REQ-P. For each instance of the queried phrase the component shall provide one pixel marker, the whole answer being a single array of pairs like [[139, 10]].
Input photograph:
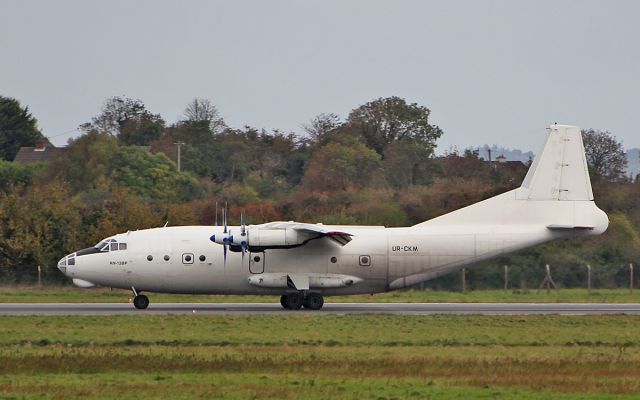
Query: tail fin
[[556, 192], [559, 171]]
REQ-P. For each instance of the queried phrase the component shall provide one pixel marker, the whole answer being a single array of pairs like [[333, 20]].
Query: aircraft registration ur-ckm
[[303, 262]]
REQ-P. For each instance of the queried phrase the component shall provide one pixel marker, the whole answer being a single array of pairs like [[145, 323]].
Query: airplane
[[304, 262]]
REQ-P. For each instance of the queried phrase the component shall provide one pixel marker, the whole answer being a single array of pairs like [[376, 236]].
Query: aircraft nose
[[62, 265], [66, 262]]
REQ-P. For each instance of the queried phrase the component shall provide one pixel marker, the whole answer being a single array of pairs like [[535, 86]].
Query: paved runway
[[329, 308]]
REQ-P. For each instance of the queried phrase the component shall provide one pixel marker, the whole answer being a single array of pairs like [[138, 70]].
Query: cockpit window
[[110, 245]]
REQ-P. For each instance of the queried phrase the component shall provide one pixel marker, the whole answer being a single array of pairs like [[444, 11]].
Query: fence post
[[588, 279], [548, 281], [630, 278], [464, 280], [506, 277], [39, 276]]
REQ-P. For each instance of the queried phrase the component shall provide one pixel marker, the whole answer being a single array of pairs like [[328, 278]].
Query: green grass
[[70, 294], [320, 357]]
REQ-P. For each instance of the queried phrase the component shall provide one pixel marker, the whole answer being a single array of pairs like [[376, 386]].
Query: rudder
[[559, 171]]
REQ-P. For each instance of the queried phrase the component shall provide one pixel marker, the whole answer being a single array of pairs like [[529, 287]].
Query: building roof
[[29, 155]]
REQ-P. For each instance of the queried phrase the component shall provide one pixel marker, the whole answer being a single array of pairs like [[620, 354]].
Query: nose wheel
[[295, 301], [140, 301]]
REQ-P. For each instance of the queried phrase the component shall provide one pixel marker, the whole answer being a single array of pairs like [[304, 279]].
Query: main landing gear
[[140, 301], [295, 301]]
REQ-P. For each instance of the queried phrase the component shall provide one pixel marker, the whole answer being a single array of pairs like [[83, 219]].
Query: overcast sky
[[490, 71]]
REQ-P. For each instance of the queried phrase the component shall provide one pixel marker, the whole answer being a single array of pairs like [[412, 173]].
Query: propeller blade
[[224, 216], [224, 246]]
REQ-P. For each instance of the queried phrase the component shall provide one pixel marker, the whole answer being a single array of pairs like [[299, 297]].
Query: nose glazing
[[62, 265], [66, 262]]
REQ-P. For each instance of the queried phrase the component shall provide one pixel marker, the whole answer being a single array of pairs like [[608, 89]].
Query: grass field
[[71, 294], [320, 357]]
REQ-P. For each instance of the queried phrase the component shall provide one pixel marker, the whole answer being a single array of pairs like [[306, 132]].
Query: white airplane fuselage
[[291, 259], [183, 260]]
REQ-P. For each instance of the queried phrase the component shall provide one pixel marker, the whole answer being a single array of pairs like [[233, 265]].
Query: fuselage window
[[114, 246], [166, 258], [365, 261], [202, 258], [149, 257], [122, 246]]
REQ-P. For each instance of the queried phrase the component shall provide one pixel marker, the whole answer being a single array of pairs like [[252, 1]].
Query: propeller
[[226, 238], [243, 234]]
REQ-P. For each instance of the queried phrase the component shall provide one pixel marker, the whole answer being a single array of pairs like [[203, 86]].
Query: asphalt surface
[[329, 308]]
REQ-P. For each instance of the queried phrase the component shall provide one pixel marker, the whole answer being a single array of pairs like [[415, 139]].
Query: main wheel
[[293, 301], [283, 301], [141, 302], [314, 301]]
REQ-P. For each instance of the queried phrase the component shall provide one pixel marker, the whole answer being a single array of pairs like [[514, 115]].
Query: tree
[[86, 162], [341, 165], [129, 120], [96, 164], [605, 154], [14, 173], [38, 224], [401, 162], [385, 120], [17, 128], [321, 126], [151, 176], [200, 110]]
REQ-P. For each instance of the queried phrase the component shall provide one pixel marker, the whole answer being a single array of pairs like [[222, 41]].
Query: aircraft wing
[[340, 237]]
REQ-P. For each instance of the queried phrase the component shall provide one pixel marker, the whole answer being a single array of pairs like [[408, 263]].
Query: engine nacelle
[[275, 235], [273, 238]]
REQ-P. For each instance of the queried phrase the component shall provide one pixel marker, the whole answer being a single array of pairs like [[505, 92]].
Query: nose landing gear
[[295, 301], [140, 301]]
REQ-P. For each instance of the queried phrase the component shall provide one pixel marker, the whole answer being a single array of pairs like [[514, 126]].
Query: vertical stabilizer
[[559, 171]]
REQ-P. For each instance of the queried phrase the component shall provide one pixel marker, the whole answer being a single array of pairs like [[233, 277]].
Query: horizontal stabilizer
[[569, 227]]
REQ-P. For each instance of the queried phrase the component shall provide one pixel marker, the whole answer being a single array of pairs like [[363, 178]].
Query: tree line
[[375, 167]]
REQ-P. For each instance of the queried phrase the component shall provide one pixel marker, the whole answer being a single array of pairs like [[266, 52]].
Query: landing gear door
[[256, 263]]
